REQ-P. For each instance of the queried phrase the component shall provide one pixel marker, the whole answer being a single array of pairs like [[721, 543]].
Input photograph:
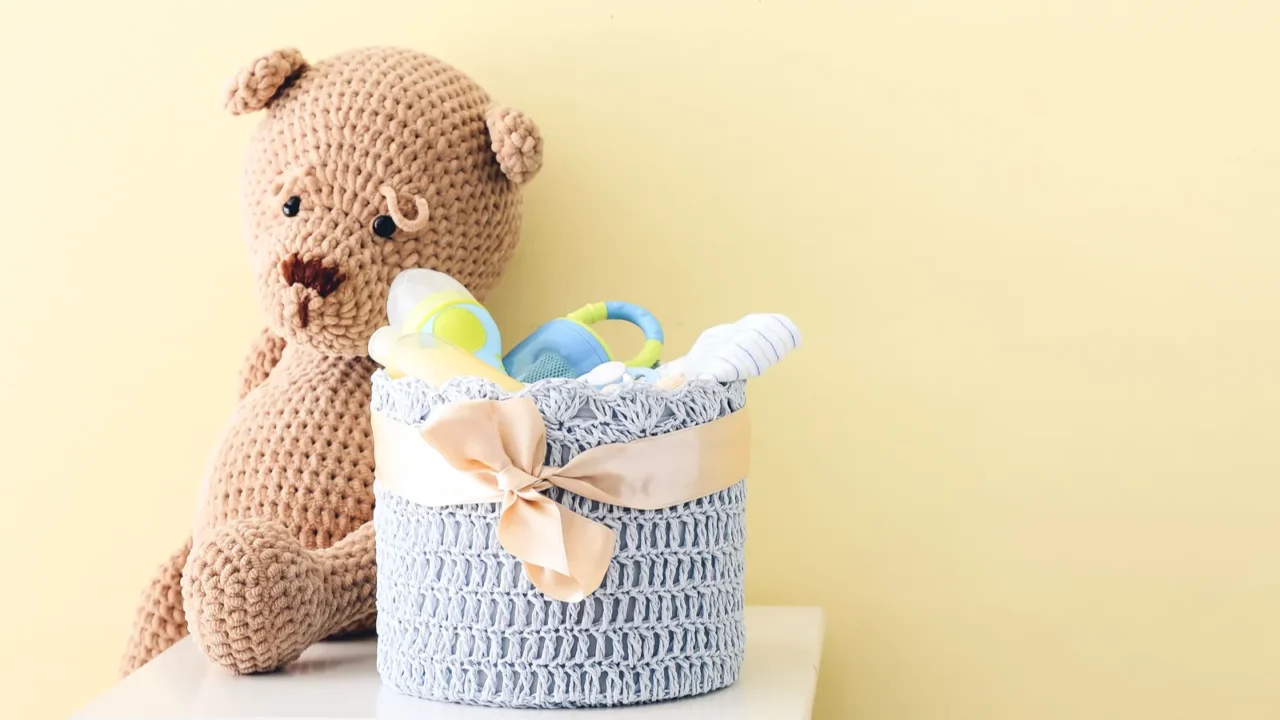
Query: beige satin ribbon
[[484, 451]]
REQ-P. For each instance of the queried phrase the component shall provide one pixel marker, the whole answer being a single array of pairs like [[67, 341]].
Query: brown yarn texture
[[282, 554]]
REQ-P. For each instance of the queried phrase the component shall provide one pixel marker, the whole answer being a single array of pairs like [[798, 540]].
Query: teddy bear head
[[366, 164]]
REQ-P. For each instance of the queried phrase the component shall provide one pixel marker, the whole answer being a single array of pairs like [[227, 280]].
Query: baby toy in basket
[[423, 301], [431, 302], [568, 347], [552, 545]]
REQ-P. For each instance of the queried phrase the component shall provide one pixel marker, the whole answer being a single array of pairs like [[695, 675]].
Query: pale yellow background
[[1028, 459]]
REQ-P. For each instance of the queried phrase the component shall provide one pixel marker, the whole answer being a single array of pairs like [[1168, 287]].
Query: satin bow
[[484, 451]]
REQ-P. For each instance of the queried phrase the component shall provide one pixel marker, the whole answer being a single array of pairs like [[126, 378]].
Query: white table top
[[339, 680]]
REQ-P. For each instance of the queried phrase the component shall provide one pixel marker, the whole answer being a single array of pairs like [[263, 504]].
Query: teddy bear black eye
[[384, 226], [291, 206]]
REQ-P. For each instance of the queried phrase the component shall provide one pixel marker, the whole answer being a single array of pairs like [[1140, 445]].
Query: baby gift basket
[[571, 542], [459, 620]]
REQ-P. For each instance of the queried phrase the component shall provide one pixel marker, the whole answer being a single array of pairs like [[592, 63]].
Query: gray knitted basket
[[458, 620]]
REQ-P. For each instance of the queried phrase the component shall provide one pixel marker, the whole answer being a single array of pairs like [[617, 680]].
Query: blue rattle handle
[[634, 314], [637, 316]]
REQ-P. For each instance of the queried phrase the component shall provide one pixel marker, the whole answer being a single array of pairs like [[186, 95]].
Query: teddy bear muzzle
[[312, 274]]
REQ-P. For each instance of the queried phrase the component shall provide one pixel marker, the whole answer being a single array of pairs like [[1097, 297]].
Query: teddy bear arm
[[256, 598], [263, 355], [159, 621], [351, 571]]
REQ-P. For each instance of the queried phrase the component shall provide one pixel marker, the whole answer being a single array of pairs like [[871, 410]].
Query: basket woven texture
[[458, 621]]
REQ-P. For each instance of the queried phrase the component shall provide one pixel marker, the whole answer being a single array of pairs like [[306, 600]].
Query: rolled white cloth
[[740, 350]]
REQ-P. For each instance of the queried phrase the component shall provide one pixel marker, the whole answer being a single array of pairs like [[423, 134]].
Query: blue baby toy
[[567, 347]]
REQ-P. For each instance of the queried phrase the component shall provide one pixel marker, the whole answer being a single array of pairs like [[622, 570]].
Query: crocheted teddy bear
[[367, 163]]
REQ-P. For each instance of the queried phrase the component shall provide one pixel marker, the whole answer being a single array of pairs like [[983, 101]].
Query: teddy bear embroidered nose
[[312, 274]]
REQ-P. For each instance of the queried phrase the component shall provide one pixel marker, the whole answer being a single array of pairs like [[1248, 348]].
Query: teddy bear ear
[[515, 141], [262, 80]]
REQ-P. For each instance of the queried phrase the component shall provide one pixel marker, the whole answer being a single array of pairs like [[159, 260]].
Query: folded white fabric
[[738, 351]]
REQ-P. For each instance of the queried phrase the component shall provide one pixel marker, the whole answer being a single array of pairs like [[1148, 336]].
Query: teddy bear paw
[[254, 597]]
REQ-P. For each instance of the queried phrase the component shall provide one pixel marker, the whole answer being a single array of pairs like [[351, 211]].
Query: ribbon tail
[[564, 554]]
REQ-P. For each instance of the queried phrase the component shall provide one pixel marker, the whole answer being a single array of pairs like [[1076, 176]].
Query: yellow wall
[[1028, 458]]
